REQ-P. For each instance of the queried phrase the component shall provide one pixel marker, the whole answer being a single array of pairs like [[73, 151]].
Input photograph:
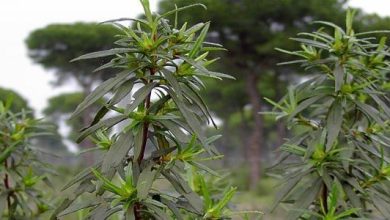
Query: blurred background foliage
[[249, 30]]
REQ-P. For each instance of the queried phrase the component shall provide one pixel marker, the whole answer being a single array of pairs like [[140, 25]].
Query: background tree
[[59, 109], [250, 30], [18, 102], [55, 45]]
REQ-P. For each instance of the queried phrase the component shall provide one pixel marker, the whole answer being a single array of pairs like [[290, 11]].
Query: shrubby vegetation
[[337, 164], [21, 171], [157, 136], [147, 117]]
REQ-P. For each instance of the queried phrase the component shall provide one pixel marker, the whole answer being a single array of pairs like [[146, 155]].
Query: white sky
[[19, 17]]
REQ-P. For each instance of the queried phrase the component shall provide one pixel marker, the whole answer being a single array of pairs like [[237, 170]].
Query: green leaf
[[83, 175], [85, 203], [197, 99], [333, 123], [194, 29], [105, 53], [182, 188], [148, 13], [205, 168], [8, 151], [228, 195], [198, 43], [176, 130], [84, 186], [145, 180], [192, 121], [157, 212], [381, 103], [287, 188], [330, 24], [100, 91], [3, 202], [107, 123], [120, 94], [173, 82], [173, 207], [380, 204], [373, 32], [352, 196], [138, 141], [117, 152], [203, 70], [310, 193], [188, 116], [140, 96], [370, 112], [311, 43], [339, 76], [347, 213], [304, 105], [349, 21], [181, 9], [205, 193]]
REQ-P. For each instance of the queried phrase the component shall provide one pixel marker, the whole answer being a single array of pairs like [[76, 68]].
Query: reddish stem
[[7, 185], [137, 211], [137, 206]]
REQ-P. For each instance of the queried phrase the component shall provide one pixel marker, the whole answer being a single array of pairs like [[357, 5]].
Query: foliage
[[18, 102], [20, 170], [160, 135], [61, 106], [249, 30], [342, 114], [53, 46], [63, 103]]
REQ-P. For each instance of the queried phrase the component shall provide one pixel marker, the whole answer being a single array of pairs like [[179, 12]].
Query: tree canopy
[[18, 102], [55, 45]]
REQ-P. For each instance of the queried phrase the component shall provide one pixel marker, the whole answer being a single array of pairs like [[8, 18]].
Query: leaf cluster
[[341, 115], [21, 171]]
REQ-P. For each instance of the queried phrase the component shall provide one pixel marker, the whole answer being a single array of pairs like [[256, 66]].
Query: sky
[[19, 17]]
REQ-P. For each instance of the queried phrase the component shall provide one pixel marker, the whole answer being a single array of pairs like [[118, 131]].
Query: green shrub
[[160, 139], [338, 166], [22, 174]]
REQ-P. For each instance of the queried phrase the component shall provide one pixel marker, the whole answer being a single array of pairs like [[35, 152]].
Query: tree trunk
[[255, 142]]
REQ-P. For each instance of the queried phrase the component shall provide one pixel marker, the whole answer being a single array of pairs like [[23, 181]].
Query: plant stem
[[137, 206], [7, 186], [146, 124], [6, 177], [137, 211]]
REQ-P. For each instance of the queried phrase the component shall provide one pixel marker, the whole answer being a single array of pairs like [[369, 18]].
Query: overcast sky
[[19, 17]]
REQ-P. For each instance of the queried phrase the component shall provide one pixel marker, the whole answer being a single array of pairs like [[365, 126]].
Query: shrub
[[21, 171], [160, 138], [339, 165]]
